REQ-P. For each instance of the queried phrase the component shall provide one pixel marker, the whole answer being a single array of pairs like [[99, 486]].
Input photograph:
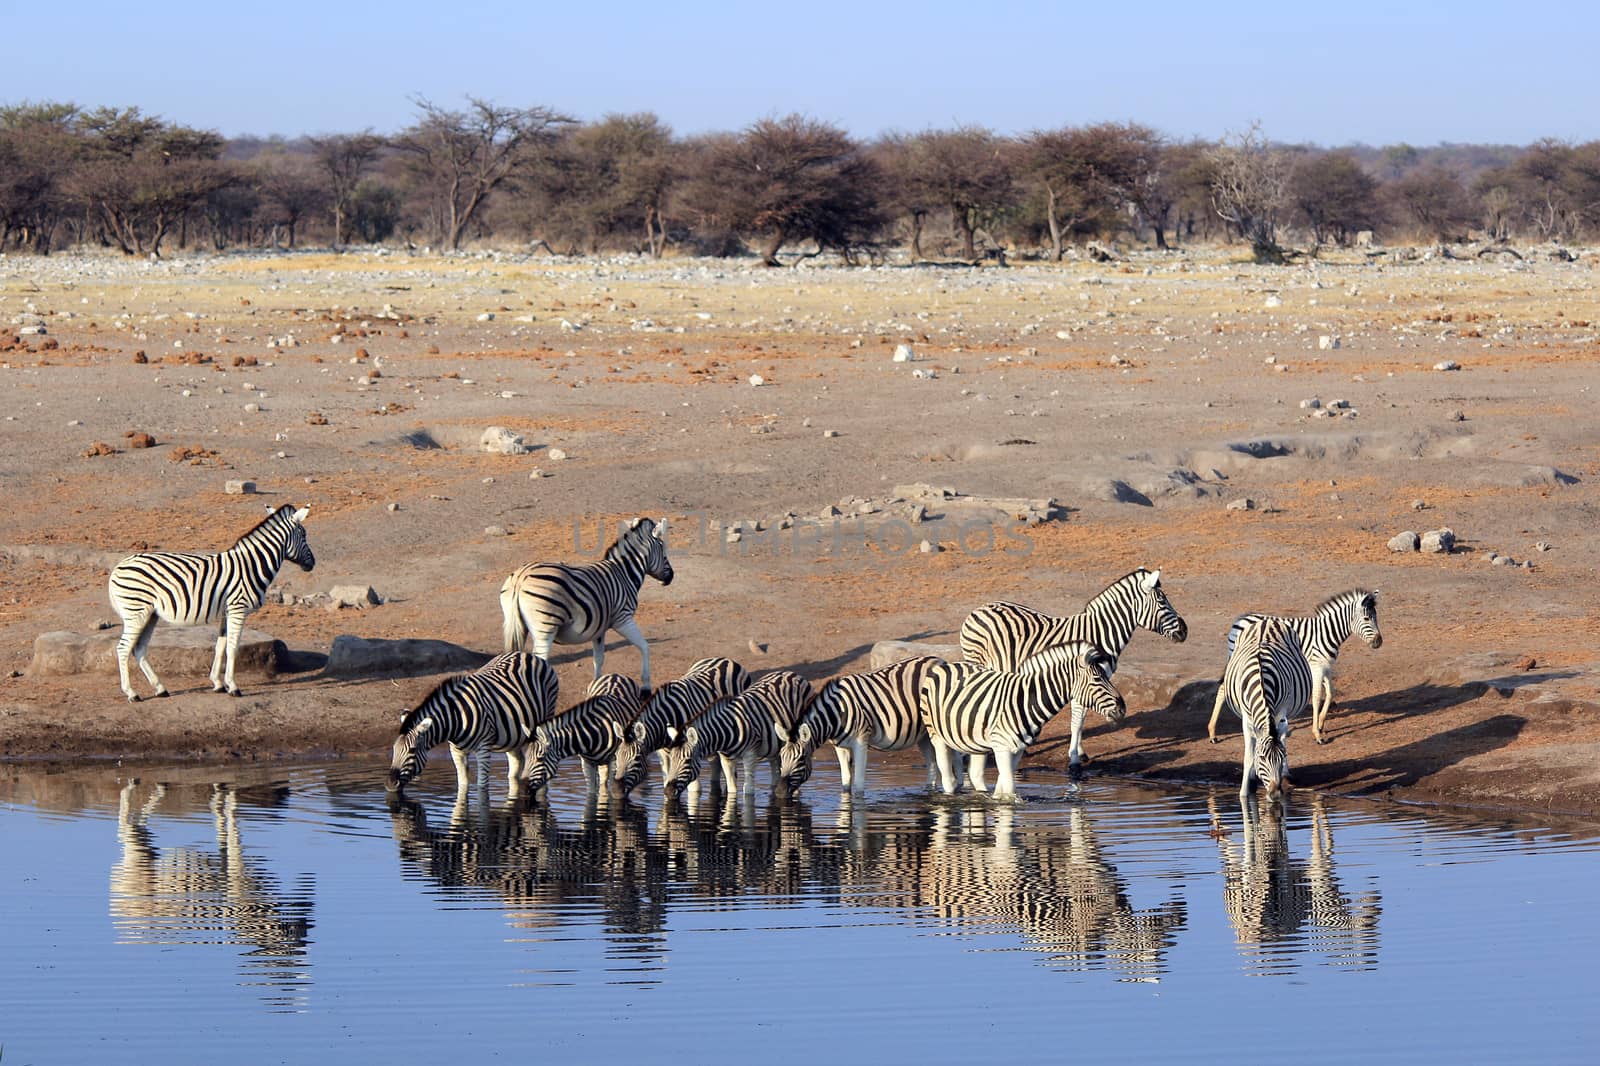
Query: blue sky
[[1422, 72]]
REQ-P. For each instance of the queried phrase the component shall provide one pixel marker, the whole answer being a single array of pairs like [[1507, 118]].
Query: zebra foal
[[738, 731], [671, 706], [858, 712], [1267, 680], [497, 707], [1321, 634], [978, 711], [549, 603], [190, 589], [592, 729]]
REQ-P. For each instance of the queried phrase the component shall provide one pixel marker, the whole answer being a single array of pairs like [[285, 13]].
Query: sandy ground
[[1143, 397]]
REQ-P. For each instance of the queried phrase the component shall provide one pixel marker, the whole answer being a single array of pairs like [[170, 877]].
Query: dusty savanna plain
[[1143, 397]]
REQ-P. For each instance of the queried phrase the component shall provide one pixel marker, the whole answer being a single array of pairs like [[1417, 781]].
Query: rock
[[239, 488], [393, 507], [756, 381], [1274, 301], [316, 418], [555, 455], [353, 596], [929, 547], [136, 439], [184, 651], [99, 447], [486, 316], [252, 408], [830, 433], [889, 652], [353, 656], [1447, 364], [1542, 546], [1404, 542], [140, 357], [1419, 505], [495, 531], [1327, 343], [1243, 503], [903, 353], [1438, 541], [1527, 662], [1310, 405], [1503, 560], [501, 441]]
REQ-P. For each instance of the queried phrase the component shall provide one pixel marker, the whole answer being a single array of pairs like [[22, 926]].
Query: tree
[[38, 149], [1432, 199], [610, 180], [1335, 196], [965, 170], [1248, 179], [462, 157], [1086, 173], [292, 190], [344, 158], [789, 179]]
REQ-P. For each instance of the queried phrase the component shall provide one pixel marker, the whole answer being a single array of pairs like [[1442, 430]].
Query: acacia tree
[[789, 179], [609, 179], [344, 159], [965, 170], [461, 157], [38, 149], [292, 191], [1335, 196], [1432, 199], [1086, 173], [1248, 182], [903, 196]]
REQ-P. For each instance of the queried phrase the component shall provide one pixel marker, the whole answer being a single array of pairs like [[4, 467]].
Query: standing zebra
[[738, 731], [497, 707], [1267, 680], [554, 602], [190, 589], [1321, 634], [980, 711], [1000, 636], [591, 730], [672, 705], [877, 709]]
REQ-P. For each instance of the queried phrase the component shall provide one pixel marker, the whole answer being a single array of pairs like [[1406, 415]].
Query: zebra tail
[[515, 630]]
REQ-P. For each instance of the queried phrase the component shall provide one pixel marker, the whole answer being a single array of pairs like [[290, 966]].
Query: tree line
[[119, 178]]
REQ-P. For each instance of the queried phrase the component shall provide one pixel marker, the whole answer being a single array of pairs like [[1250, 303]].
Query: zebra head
[[411, 749], [628, 764], [542, 757], [298, 550], [1153, 611], [1092, 687], [794, 758], [646, 539], [1366, 618], [679, 768], [1272, 762]]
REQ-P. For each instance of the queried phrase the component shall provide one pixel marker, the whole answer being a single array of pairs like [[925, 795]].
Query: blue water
[[293, 915]]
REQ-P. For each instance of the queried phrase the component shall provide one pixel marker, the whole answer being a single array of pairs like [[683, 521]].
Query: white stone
[[239, 488], [903, 353]]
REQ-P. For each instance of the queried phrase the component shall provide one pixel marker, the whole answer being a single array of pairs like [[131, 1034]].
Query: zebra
[[673, 704], [1267, 680], [497, 707], [1321, 634], [742, 729], [856, 712], [1001, 636], [591, 729], [967, 708], [190, 589], [555, 602]]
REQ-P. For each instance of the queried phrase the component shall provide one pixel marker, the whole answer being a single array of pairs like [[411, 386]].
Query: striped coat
[[1266, 681], [671, 706], [1321, 634], [591, 730], [738, 731], [190, 589], [495, 708], [558, 603]]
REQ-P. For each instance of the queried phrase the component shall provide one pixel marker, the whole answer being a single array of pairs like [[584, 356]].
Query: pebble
[[1447, 364], [756, 381], [830, 433], [928, 547], [1419, 505], [556, 455], [903, 353], [393, 507], [252, 408], [1327, 344], [494, 531], [1244, 503], [239, 488]]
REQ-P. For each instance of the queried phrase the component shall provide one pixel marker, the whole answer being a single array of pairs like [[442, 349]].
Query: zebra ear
[[1152, 579], [691, 738], [804, 734], [638, 732], [616, 729], [781, 731], [634, 523], [300, 515]]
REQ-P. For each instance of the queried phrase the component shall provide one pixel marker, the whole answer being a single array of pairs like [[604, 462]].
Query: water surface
[[295, 914]]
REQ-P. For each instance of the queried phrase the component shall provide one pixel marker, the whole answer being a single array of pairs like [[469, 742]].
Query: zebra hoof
[[235, 692], [133, 697], [162, 693], [1216, 740]]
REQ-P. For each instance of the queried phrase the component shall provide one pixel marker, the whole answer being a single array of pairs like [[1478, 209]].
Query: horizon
[[1365, 77]]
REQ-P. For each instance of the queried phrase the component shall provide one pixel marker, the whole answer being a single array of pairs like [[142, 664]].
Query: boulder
[[1438, 540], [1404, 542], [501, 441], [889, 652], [363, 657], [353, 596], [181, 651]]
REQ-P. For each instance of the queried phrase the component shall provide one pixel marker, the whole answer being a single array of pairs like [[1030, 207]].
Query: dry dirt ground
[[1143, 397]]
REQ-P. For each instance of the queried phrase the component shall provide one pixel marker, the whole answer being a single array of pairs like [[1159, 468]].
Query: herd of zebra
[[1019, 669]]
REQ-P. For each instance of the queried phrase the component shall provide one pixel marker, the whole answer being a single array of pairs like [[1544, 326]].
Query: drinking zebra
[[190, 589], [1001, 636], [555, 602], [1267, 680], [857, 712], [739, 731], [673, 704], [1321, 634], [497, 707], [978, 711], [591, 729]]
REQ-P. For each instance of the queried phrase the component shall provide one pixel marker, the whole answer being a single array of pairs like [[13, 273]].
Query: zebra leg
[[747, 770], [1249, 763], [591, 776], [630, 630], [1075, 748], [858, 765], [137, 638], [845, 751], [1321, 678], [599, 653], [976, 765], [730, 774], [463, 775], [1005, 782], [235, 626], [514, 767], [222, 650], [941, 755], [1216, 712]]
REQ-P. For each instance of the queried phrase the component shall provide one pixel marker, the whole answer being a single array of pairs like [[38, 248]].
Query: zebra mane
[[631, 536], [447, 687], [274, 517], [1132, 577], [1357, 595]]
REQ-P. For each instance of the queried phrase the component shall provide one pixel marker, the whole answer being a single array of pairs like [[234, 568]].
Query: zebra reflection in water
[[186, 895], [1282, 907]]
